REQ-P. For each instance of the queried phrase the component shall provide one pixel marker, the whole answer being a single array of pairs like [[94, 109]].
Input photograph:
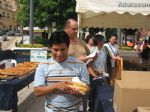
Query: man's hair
[[68, 22], [97, 38], [58, 38], [113, 35]]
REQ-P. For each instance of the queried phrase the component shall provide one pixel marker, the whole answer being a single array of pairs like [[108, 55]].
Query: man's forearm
[[91, 72], [44, 90]]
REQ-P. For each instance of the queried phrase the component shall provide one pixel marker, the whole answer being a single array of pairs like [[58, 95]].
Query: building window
[[7, 15], [6, 5], [3, 14], [10, 27], [14, 28], [13, 17]]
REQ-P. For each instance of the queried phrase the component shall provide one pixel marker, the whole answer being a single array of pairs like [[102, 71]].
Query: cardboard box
[[132, 91], [143, 109]]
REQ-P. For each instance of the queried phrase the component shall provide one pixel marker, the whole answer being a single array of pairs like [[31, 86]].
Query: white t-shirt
[[113, 50]]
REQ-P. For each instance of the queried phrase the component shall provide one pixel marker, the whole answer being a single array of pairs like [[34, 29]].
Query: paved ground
[[28, 102], [10, 43], [129, 55]]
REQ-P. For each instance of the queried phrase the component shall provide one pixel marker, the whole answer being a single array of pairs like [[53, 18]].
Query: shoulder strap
[[111, 49], [106, 50]]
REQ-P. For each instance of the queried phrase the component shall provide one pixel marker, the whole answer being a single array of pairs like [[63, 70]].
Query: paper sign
[[38, 56]]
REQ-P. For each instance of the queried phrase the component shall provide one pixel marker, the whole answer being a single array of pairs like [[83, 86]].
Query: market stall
[[113, 14], [13, 80]]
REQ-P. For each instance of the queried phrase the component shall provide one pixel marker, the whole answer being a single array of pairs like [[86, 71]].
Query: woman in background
[[90, 41]]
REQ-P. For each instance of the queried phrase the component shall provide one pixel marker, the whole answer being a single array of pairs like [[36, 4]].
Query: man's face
[[113, 40], [72, 29], [59, 52], [100, 43]]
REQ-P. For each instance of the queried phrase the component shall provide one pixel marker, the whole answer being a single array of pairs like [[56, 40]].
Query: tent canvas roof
[[114, 13]]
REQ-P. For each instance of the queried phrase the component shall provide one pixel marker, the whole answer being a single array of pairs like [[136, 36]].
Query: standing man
[[52, 79], [145, 49], [114, 53], [102, 65], [78, 47]]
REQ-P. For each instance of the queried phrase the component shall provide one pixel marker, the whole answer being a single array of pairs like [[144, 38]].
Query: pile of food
[[83, 87], [18, 71]]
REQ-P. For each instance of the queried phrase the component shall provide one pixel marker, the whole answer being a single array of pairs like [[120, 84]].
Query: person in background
[[90, 40], [145, 50], [137, 48], [114, 53], [52, 79], [102, 67], [78, 48], [102, 63]]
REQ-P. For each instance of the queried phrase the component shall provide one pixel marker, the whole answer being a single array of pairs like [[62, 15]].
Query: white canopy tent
[[114, 13]]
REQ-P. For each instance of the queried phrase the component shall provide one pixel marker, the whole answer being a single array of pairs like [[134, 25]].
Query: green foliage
[[125, 48], [39, 40], [46, 12], [23, 12]]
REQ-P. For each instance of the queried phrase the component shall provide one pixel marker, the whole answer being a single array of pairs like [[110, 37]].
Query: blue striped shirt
[[69, 68]]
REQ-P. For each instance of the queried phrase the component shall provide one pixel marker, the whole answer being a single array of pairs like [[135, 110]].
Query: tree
[[46, 12], [23, 12]]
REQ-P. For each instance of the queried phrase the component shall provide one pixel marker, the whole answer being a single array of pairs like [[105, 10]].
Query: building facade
[[8, 14]]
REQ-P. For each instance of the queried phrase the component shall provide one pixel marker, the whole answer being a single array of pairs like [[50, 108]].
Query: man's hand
[[83, 58], [64, 87], [74, 91], [95, 57], [116, 57]]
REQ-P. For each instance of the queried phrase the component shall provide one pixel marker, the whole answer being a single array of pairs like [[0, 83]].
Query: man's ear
[[66, 29]]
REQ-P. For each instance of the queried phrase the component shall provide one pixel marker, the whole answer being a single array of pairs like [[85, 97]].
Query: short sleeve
[[84, 74], [39, 78]]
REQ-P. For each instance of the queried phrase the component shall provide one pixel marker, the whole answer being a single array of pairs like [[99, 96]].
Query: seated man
[[52, 79]]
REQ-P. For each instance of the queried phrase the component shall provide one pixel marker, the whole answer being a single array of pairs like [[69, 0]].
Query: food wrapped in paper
[[81, 86]]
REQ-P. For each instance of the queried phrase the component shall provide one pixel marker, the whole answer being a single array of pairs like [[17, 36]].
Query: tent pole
[[78, 35], [119, 36]]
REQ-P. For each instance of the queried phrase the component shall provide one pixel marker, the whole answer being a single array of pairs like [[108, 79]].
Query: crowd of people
[[70, 58]]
